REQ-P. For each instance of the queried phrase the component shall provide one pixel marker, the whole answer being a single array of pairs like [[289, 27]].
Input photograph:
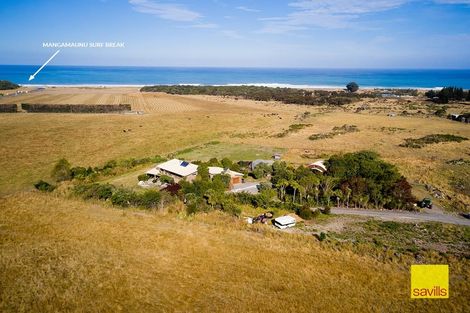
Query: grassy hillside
[[75, 256]]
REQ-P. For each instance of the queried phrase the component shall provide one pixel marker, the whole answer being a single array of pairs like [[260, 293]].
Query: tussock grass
[[418, 143], [75, 256]]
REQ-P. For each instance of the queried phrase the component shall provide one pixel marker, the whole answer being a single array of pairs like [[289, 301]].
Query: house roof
[[215, 170], [178, 167], [285, 220], [318, 165]]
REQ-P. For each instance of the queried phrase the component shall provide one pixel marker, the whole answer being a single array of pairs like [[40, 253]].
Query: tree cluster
[[258, 93], [6, 85], [448, 94]]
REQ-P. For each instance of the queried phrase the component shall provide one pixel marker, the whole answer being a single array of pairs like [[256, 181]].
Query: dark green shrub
[[418, 143], [61, 171], [142, 177], [104, 192], [197, 205], [326, 210], [123, 197], [315, 214], [305, 212], [79, 172], [352, 87], [230, 208], [165, 179], [44, 186], [321, 236], [149, 199], [94, 191]]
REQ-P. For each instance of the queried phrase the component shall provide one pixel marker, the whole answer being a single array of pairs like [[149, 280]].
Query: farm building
[[175, 168], [318, 166], [235, 177]]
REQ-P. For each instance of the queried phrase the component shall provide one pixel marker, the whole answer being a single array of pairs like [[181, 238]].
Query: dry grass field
[[31, 143], [59, 254]]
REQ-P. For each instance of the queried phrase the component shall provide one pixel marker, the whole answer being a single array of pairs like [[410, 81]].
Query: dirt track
[[401, 216]]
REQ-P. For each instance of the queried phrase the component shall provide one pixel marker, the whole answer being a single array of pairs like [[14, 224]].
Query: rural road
[[405, 216]]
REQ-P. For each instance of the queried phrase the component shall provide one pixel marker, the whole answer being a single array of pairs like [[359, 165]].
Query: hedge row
[[75, 108], [8, 108], [259, 93]]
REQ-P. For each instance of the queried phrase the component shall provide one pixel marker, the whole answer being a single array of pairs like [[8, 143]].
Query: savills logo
[[430, 281]]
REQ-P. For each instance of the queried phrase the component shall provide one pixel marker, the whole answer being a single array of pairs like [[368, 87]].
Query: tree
[[309, 183], [61, 171], [352, 87], [261, 170], [226, 163], [281, 186], [295, 186], [430, 94], [339, 196], [5, 84], [327, 184], [468, 95], [203, 172]]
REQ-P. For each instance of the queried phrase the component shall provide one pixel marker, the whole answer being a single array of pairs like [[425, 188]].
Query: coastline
[[270, 85]]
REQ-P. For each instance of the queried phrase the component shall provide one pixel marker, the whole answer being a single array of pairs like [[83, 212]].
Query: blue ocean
[[283, 77]]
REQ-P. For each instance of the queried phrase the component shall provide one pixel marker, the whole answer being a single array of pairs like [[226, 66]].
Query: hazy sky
[[317, 33]]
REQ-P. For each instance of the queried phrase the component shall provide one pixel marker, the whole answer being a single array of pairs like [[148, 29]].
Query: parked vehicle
[[466, 215], [425, 203]]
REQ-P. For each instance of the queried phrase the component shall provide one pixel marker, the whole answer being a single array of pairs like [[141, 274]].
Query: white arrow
[[31, 77]]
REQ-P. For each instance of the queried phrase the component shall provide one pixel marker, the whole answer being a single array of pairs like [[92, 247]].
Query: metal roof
[[215, 170], [178, 167], [285, 220]]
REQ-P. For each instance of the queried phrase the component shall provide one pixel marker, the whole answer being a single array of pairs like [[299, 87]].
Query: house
[[277, 156], [175, 168], [235, 177], [318, 166], [255, 163]]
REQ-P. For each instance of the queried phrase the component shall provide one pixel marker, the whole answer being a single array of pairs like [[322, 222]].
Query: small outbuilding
[[284, 222]]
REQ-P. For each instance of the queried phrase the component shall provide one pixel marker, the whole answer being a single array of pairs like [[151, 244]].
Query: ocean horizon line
[[253, 67], [270, 85]]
